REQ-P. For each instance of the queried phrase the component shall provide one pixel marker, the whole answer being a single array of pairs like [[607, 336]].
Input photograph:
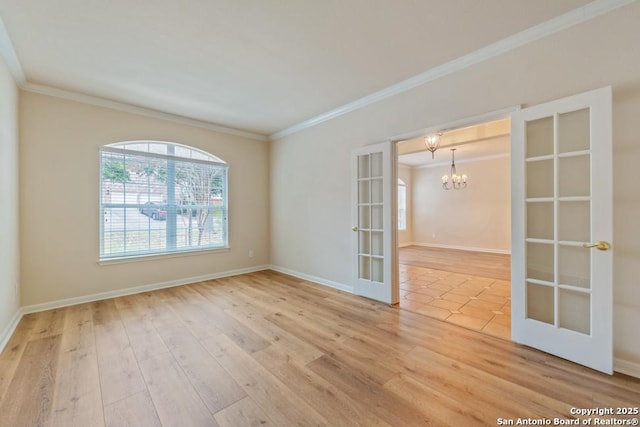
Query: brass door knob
[[601, 245], [354, 228]]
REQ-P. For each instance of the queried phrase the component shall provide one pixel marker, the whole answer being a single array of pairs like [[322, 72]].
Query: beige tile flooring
[[478, 303]]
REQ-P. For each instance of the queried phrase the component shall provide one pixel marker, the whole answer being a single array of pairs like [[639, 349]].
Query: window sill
[[154, 257]]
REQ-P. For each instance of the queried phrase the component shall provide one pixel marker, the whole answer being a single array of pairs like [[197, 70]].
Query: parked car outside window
[[155, 211]]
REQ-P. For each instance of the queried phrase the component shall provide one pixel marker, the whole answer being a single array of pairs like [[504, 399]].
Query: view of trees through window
[[159, 197]]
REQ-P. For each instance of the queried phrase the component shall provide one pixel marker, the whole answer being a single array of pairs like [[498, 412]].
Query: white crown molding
[[130, 108], [13, 63], [552, 26], [11, 58], [537, 32], [9, 54]]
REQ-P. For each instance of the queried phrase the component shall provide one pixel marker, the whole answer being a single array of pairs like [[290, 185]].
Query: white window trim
[[401, 183], [138, 256], [152, 257]]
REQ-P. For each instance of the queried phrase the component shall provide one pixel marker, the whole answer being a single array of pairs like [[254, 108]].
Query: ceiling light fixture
[[432, 142], [453, 180]]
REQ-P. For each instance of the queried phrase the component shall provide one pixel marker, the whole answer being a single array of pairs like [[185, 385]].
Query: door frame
[[469, 121], [455, 124]]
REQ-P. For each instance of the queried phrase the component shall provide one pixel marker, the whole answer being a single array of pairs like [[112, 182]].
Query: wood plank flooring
[[495, 266], [269, 349]]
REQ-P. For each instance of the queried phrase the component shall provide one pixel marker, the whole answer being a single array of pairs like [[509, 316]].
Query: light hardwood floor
[[462, 287], [495, 266], [269, 349]]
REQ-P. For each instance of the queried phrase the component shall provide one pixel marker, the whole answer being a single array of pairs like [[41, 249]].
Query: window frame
[[208, 160], [403, 209]]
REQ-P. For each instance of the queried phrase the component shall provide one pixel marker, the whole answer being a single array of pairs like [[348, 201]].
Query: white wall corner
[[8, 53], [10, 57], [314, 279], [5, 335]]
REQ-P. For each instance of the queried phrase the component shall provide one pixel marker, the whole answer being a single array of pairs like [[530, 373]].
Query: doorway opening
[[454, 244]]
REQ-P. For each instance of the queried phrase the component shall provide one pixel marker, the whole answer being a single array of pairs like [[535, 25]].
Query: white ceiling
[[256, 65]]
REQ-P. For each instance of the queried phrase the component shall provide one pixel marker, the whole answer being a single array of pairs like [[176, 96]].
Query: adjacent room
[[240, 212], [454, 226]]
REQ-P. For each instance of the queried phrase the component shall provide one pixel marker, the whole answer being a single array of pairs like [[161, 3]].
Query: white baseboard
[[10, 329], [8, 332], [314, 279], [136, 290], [625, 367], [462, 248], [404, 245], [622, 366]]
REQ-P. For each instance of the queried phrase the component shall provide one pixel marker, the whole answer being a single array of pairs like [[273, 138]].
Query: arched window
[[402, 205], [160, 197]]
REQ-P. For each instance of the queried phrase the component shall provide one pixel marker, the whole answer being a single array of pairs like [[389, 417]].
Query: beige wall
[[310, 170], [405, 237], [476, 218], [9, 240], [59, 180]]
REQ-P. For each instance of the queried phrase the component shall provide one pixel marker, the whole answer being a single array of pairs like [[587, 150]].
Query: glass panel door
[[561, 284], [558, 267], [370, 221], [373, 200]]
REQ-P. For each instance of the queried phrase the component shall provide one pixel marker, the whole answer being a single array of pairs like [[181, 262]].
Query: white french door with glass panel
[[374, 245], [562, 228]]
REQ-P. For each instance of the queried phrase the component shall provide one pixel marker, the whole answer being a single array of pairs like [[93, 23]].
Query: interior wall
[[476, 218], [311, 214], [405, 237], [59, 181], [9, 240]]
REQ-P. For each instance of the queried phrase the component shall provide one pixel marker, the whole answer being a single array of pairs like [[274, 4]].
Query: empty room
[[454, 234], [240, 212]]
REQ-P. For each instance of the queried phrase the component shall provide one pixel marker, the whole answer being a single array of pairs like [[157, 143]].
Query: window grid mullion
[[146, 174]]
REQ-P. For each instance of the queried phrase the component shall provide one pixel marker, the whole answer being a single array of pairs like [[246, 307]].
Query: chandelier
[[432, 142], [453, 180]]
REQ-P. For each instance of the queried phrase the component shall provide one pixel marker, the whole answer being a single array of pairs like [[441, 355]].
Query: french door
[[562, 228], [374, 236]]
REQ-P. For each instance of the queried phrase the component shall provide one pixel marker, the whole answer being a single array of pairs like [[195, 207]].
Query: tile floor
[[478, 303]]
